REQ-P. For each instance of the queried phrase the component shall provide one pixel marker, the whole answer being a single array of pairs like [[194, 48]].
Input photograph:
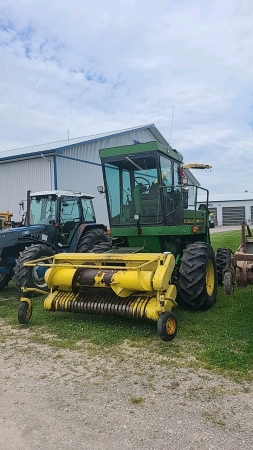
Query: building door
[[251, 213], [233, 215]]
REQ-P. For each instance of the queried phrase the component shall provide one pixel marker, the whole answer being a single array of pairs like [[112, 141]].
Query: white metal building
[[69, 165], [231, 209]]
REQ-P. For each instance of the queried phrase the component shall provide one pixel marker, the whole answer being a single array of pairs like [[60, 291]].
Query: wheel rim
[[210, 278], [39, 281], [37, 278], [27, 311], [171, 326]]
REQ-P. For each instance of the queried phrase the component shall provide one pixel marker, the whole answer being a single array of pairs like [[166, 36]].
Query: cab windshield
[[42, 210], [132, 186]]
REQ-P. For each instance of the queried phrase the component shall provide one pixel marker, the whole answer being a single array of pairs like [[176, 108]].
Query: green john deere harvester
[[161, 252]]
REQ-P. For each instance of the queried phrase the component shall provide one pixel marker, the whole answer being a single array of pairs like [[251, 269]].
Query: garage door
[[251, 209], [233, 216], [214, 212]]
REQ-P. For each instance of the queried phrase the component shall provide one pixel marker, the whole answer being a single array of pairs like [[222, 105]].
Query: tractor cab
[[145, 186], [60, 213]]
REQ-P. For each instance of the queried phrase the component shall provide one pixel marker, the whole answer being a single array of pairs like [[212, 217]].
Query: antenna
[[172, 116], [68, 134]]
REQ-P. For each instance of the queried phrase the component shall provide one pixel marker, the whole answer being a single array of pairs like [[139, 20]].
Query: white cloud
[[98, 66]]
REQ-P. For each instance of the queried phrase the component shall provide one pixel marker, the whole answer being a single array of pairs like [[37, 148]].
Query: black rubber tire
[[4, 281], [167, 326], [24, 276], [222, 256], [24, 314], [91, 239], [197, 264], [102, 247], [228, 285]]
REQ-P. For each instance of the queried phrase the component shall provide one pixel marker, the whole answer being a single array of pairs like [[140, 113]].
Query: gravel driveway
[[62, 400]]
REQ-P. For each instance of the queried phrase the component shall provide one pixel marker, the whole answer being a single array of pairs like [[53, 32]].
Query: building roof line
[[65, 143], [56, 148]]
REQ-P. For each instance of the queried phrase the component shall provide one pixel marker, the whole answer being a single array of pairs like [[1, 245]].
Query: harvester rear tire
[[4, 280], [222, 256], [24, 313], [197, 287], [93, 239], [167, 326], [27, 276]]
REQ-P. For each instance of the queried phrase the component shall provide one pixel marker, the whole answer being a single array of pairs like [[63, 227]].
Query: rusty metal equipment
[[131, 285], [239, 265], [6, 220]]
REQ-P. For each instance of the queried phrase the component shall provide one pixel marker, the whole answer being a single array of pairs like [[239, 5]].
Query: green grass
[[229, 239], [220, 339], [137, 400]]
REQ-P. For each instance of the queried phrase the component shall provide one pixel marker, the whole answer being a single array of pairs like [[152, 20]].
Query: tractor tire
[[4, 280], [228, 284], [102, 247], [223, 256], [96, 239], [28, 276], [197, 287]]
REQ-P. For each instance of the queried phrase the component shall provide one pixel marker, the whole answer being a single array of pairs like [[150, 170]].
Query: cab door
[[70, 219]]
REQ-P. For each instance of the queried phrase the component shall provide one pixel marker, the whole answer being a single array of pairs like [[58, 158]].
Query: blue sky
[[92, 67]]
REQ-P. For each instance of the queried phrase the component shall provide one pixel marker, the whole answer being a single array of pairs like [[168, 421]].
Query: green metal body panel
[[183, 230]]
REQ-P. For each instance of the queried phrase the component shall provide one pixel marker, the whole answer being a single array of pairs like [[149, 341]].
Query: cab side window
[[166, 171], [69, 211]]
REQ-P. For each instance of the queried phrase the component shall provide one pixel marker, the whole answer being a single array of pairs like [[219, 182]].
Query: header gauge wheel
[[167, 326]]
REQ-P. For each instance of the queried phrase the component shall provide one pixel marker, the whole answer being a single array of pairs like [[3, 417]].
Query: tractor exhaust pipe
[[28, 208]]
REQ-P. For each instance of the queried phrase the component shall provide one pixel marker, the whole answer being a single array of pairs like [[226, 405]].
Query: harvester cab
[[149, 201], [161, 251]]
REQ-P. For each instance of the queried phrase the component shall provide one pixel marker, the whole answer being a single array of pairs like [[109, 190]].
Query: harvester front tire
[[198, 277], [28, 276], [93, 239], [4, 280], [167, 326], [24, 313], [223, 256]]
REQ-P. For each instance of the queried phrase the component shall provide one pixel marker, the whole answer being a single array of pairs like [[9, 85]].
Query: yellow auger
[[130, 285]]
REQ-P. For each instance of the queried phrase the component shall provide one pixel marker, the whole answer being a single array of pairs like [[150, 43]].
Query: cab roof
[[60, 193], [140, 148]]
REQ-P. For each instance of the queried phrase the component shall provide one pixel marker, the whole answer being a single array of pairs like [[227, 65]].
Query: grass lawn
[[220, 339]]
